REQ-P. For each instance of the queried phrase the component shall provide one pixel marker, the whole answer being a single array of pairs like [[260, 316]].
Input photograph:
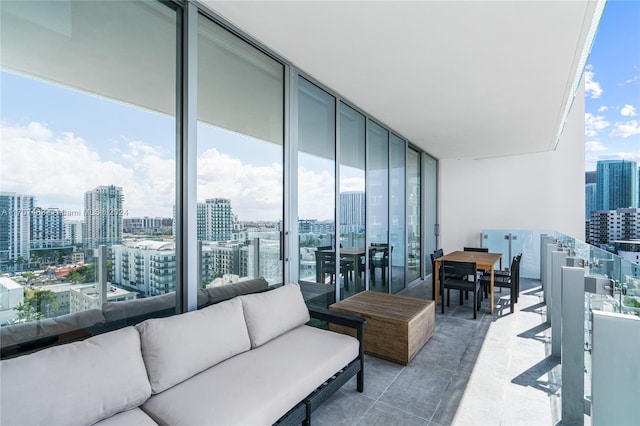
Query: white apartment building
[[148, 267], [15, 226], [11, 295], [103, 212], [215, 220], [85, 297], [607, 226], [48, 229]]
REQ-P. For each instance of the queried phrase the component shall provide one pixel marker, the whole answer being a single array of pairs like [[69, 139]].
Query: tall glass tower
[[616, 184]]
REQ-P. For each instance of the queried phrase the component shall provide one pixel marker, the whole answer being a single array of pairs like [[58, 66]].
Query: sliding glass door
[[397, 222], [414, 210], [239, 159], [316, 193]]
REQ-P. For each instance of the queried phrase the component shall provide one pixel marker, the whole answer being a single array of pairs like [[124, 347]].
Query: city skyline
[[612, 87]]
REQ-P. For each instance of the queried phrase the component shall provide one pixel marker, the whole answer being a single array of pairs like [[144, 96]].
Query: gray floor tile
[[471, 372], [382, 414], [417, 390]]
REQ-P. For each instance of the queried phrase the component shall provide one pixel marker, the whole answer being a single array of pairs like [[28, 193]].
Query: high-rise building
[[215, 220], [590, 177], [616, 184], [103, 216], [47, 229], [607, 226], [73, 231], [589, 199], [352, 209], [15, 226]]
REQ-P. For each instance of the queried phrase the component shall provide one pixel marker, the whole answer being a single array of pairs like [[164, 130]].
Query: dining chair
[[506, 279], [477, 249], [326, 264], [378, 258], [461, 276]]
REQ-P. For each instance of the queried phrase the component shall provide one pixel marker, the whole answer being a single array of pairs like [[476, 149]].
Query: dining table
[[356, 253], [484, 261]]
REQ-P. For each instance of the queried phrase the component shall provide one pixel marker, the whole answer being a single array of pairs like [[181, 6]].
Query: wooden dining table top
[[482, 259]]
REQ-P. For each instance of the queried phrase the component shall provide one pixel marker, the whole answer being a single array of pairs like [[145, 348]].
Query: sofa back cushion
[[77, 383], [273, 313], [226, 292], [132, 312], [179, 347]]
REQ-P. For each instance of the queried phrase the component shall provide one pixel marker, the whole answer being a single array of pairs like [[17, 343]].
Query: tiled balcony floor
[[494, 370]]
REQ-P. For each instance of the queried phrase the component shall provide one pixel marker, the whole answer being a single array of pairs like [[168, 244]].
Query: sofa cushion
[[259, 386], [272, 313], [131, 417], [77, 383], [225, 292], [58, 326], [132, 311], [180, 346]]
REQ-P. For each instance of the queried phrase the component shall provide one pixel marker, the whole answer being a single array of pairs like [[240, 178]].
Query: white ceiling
[[460, 79]]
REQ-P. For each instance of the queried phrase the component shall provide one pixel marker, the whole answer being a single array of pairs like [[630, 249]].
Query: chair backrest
[[479, 249], [436, 254], [449, 268], [325, 257]]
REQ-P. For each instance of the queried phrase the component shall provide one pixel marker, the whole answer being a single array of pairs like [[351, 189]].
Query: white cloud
[[628, 111], [624, 130], [255, 191], [594, 124], [592, 87], [57, 169], [603, 108], [594, 146]]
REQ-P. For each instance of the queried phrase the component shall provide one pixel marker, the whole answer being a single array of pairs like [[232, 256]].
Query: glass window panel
[[240, 159], [87, 160], [352, 198], [397, 257], [430, 165], [316, 193], [378, 206], [413, 215]]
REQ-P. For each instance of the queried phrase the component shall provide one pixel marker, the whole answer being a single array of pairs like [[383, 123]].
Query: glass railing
[[618, 288]]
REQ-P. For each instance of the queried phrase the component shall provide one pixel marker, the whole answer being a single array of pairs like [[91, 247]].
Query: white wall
[[542, 191]]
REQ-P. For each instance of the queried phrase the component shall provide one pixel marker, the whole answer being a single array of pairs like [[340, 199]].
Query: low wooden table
[[397, 326]]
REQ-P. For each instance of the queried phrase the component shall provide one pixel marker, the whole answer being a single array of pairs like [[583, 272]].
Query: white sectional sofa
[[250, 360]]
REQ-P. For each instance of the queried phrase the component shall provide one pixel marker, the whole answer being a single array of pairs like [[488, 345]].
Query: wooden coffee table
[[397, 326]]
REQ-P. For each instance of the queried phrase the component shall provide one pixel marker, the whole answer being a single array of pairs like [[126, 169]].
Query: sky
[[57, 143], [612, 83]]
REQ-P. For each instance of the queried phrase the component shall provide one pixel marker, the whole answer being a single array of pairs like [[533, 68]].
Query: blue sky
[[612, 79], [58, 143]]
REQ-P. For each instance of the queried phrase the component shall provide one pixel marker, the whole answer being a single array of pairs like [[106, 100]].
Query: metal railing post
[[573, 345], [555, 304]]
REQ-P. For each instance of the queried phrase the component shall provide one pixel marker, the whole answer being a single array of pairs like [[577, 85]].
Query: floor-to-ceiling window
[[397, 222], [239, 159], [90, 142], [87, 159], [316, 193], [414, 211], [352, 198], [378, 206], [430, 231]]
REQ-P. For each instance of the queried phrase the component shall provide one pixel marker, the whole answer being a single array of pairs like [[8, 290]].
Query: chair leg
[[475, 312], [513, 298], [448, 297], [442, 298], [461, 303]]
